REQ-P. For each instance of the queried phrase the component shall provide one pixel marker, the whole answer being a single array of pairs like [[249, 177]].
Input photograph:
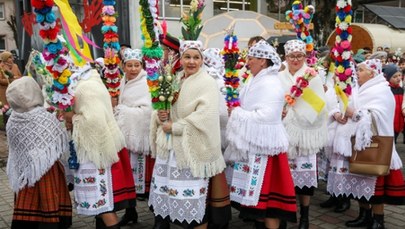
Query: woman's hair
[[269, 63], [255, 39]]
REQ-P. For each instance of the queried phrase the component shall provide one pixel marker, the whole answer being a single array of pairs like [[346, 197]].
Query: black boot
[[363, 220], [343, 204], [100, 223], [131, 215], [260, 225], [283, 224], [116, 226], [161, 223], [377, 222], [332, 201], [304, 220]]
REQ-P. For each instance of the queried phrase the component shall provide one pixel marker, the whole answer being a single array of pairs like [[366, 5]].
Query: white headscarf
[[294, 46], [262, 49], [214, 62], [186, 45], [132, 54]]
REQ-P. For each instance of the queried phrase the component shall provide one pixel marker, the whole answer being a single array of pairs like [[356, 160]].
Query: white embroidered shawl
[[36, 141], [375, 96], [256, 126], [133, 113], [96, 135], [195, 130], [305, 137]]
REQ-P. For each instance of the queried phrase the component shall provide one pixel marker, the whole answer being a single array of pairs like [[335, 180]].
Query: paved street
[[319, 218]]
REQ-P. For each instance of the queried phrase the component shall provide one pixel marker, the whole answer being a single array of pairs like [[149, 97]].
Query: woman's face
[[295, 61], [191, 60], [132, 68], [363, 74], [255, 65]]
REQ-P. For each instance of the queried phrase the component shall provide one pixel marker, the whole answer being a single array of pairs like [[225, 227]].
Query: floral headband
[[262, 49], [214, 62], [294, 46], [186, 45], [373, 65], [132, 54]]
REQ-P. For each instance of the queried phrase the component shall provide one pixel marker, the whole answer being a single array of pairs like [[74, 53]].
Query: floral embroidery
[[343, 170], [202, 191], [293, 166], [173, 192], [77, 180], [306, 166], [101, 171], [103, 187], [85, 205], [99, 203], [246, 168], [188, 192], [89, 180]]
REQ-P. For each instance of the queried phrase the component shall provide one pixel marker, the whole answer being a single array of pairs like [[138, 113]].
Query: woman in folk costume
[[327, 74], [171, 47], [36, 142], [187, 146], [215, 67], [219, 203], [260, 180], [372, 99], [133, 117], [103, 182], [305, 122]]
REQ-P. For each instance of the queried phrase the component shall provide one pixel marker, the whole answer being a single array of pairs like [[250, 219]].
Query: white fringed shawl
[[256, 127], [374, 96], [36, 141], [195, 130], [305, 137], [133, 113], [96, 135]]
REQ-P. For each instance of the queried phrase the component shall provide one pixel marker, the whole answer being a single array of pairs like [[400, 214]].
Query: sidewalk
[[319, 218]]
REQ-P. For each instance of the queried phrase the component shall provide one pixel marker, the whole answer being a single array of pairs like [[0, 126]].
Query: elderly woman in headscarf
[[36, 143], [133, 117], [372, 100], [305, 122], [187, 146], [259, 178]]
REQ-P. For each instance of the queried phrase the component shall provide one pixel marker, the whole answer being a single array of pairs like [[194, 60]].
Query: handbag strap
[[374, 129]]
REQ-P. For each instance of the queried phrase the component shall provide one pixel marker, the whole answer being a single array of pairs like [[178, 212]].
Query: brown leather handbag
[[374, 160]]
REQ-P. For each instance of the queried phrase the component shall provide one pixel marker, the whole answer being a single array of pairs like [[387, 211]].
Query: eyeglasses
[[298, 57]]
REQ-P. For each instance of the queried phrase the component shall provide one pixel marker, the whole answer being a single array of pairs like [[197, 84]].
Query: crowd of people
[[196, 160]]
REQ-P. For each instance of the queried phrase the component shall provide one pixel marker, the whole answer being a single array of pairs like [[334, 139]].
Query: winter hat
[[389, 70]]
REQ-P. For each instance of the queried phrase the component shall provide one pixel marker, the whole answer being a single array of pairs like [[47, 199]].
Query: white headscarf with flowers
[[186, 45], [373, 65], [262, 49], [294, 46], [214, 62], [132, 54]]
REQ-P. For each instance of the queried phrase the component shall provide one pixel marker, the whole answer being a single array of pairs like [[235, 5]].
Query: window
[[222, 6], [172, 9], [2, 42], [2, 12]]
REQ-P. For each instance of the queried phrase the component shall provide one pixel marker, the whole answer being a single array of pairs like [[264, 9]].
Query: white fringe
[[304, 142], [134, 129], [363, 133], [39, 165], [248, 136], [396, 162]]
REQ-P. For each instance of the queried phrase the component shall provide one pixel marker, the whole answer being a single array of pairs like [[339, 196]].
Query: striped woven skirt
[[47, 203]]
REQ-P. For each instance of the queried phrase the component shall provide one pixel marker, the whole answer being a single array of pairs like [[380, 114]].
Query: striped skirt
[[48, 202]]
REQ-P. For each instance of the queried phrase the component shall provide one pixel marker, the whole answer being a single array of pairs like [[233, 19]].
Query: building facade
[[7, 39]]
